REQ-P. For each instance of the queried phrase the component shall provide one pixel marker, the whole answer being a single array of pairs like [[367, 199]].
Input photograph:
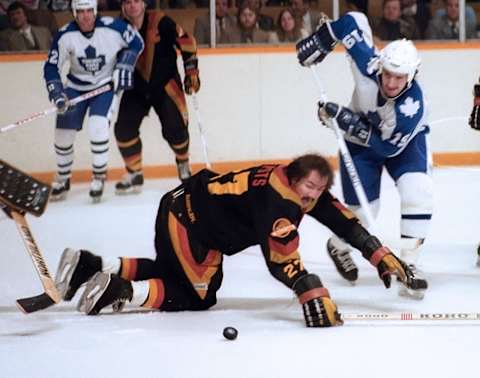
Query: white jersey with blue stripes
[[395, 121], [91, 56]]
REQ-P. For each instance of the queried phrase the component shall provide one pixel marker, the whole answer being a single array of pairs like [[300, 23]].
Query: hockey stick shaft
[[196, 107], [409, 316], [37, 257], [53, 109], [348, 161]]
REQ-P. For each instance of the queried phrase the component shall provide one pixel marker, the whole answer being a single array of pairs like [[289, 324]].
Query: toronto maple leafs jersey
[[395, 122], [92, 56]]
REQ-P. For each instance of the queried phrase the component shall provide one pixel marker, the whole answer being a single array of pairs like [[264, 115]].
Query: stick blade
[[35, 303]]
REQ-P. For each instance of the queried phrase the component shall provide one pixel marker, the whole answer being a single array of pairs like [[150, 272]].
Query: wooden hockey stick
[[51, 294], [196, 107], [409, 316], [53, 109]]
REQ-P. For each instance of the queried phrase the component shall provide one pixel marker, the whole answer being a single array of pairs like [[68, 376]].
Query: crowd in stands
[[29, 24]]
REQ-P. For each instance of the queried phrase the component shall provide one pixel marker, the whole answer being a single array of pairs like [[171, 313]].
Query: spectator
[[225, 25], [417, 12], [250, 31], [22, 36], [445, 24], [310, 19], [357, 6], [391, 26], [264, 21], [289, 28]]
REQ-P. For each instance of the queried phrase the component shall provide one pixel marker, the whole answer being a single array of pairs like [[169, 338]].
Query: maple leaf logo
[[409, 108], [92, 62]]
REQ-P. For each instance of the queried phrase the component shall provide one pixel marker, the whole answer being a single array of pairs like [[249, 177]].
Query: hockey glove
[[122, 79], [355, 125], [57, 96], [474, 120], [318, 309], [387, 264], [192, 80], [316, 47]]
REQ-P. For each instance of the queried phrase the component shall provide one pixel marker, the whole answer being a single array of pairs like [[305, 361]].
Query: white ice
[[272, 341]]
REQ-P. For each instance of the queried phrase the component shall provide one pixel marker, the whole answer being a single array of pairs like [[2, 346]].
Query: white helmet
[[400, 57], [84, 4]]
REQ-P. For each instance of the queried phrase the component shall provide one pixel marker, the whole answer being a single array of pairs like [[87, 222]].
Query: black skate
[[105, 289], [74, 269], [183, 170], [130, 183], [343, 262], [415, 287], [96, 188], [59, 189]]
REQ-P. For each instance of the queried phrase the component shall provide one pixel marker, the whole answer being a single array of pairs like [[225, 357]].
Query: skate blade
[[66, 267], [58, 197], [96, 199], [478, 261], [132, 190], [96, 286]]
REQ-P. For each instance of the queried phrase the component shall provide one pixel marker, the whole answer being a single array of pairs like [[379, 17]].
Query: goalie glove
[[356, 126], [318, 309], [474, 120], [192, 79], [57, 96], [316, 47]]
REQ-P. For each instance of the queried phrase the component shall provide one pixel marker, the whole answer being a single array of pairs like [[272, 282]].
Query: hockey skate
[[74, 269], [105, 289], [60, 187], [96, 188], [183, 169], [343, 262], [130, 183], [415, 287]]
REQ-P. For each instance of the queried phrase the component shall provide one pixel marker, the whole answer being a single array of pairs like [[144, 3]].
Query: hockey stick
[[409, 316], [200, 129], [352, 171], [53, 109], [51, 294]]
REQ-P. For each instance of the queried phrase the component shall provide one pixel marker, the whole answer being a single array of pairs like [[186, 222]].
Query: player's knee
[[98, 128], [416, 193]]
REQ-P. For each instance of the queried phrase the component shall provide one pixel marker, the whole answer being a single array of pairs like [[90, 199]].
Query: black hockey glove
[[57, 96], [474, 120], [355, 125], [318, 309], [316, 47], [192, 78]]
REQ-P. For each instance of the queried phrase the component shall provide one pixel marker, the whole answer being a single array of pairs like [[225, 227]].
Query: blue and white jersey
[[92, 56], [395, 121]]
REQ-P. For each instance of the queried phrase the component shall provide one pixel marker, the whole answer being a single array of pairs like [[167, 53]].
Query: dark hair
[[296, 33], [303, 165], [16, 5]]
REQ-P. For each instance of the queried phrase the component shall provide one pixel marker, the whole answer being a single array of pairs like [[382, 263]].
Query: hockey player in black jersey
[[157, 84], [212, 215]]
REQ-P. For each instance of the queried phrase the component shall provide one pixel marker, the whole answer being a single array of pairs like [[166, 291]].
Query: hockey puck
[[230, 333]]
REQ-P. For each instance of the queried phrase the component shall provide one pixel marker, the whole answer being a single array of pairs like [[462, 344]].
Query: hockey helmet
[[84, 4], [400, 57]]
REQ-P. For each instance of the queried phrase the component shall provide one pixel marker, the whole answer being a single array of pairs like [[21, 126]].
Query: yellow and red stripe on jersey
[[178, 97], [186, 42], [156, 293], [145, 61], [129, 268], [282, 252], [199, 275], [279, 182], [345, 211]]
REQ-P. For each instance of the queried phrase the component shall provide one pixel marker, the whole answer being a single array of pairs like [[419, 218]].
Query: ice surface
[[272, 341]]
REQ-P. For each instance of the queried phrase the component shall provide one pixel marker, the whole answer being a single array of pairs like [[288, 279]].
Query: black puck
[[230, 333]]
